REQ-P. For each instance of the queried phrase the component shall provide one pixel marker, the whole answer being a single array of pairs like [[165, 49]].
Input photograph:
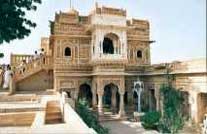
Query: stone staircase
[[33, 67], [129, 110], [53, 113], [18, 98], [18, 110], [109, 116], [16, 119]]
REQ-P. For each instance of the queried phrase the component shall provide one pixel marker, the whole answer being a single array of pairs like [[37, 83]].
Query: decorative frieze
[[72, 29], [67, 84]]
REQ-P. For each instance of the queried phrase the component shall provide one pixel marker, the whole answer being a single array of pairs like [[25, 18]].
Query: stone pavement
[[126, 127]]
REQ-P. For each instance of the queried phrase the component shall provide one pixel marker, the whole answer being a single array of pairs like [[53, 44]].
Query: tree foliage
[[89, 118], [13, 22], [172, 119], [150, 120], [1, 55]]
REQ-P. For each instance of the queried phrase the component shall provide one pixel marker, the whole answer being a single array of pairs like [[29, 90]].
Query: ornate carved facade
[[103, 54], [100, 46]]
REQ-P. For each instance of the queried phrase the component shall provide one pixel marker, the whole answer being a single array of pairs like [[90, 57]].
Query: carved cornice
[[92, 27], [108, 62], [60, 36]]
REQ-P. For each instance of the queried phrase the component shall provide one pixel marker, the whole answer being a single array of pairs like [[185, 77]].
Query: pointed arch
[[67, 51]]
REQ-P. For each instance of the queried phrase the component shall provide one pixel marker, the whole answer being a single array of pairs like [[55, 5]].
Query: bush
[[150, 120], [89, 118], [1, 55], [172, 119]]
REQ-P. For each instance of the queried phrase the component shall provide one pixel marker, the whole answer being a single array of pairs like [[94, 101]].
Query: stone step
[[54, 121], [20, 107], [28, 74], [105, 118], [37, 93], [16, 98], [53, 116], [53, 113], [53, 105], [111, 119], [17, 119]]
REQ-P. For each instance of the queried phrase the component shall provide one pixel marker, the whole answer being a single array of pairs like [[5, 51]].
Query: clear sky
[[178, 26]]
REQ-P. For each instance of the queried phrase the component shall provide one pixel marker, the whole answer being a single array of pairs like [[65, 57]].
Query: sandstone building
[[100, 56]]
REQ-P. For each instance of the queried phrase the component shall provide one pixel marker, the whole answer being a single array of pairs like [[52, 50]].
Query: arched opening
[[152, 100], [135, 101], [111, 44], [126, 98], [185, 105], [139, 54], [67, 51], [111, 98], [108, 47], [141, 104], [85, 94], [201, 106]]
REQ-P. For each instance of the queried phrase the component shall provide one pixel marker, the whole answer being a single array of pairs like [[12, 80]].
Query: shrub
[[150, 120], [172, 119], [89, 118], [1, 55]]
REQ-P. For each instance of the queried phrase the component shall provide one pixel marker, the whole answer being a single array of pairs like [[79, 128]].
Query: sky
[[177, 26]]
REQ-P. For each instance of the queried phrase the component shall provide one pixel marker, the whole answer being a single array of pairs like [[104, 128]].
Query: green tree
[[89, 118], [13, 22], [1, 55], [150, 120], [172, 119]]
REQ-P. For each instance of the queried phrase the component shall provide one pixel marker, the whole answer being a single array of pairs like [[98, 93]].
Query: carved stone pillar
[[113, 100], [157, 96], [100, 102], [101, 45], [94, 94], [194, 106], [121, 105], [76, 94], [55, 84]]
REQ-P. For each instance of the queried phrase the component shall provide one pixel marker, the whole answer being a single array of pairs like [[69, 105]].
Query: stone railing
[[44, 62], [17, 59], [111, 56], [110, 11], [71, 61]]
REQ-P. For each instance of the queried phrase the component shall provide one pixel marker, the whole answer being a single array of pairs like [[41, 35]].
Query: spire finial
[[71, 4], [95, 3]]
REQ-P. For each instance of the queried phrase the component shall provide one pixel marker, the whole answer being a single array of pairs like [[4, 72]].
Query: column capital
[[121, 92], [100, 92], [121, 106]]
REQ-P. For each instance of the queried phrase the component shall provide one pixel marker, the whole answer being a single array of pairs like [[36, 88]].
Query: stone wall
[[202, 106], [37, 82], [188, 76], [133, 48], [80, 51]]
